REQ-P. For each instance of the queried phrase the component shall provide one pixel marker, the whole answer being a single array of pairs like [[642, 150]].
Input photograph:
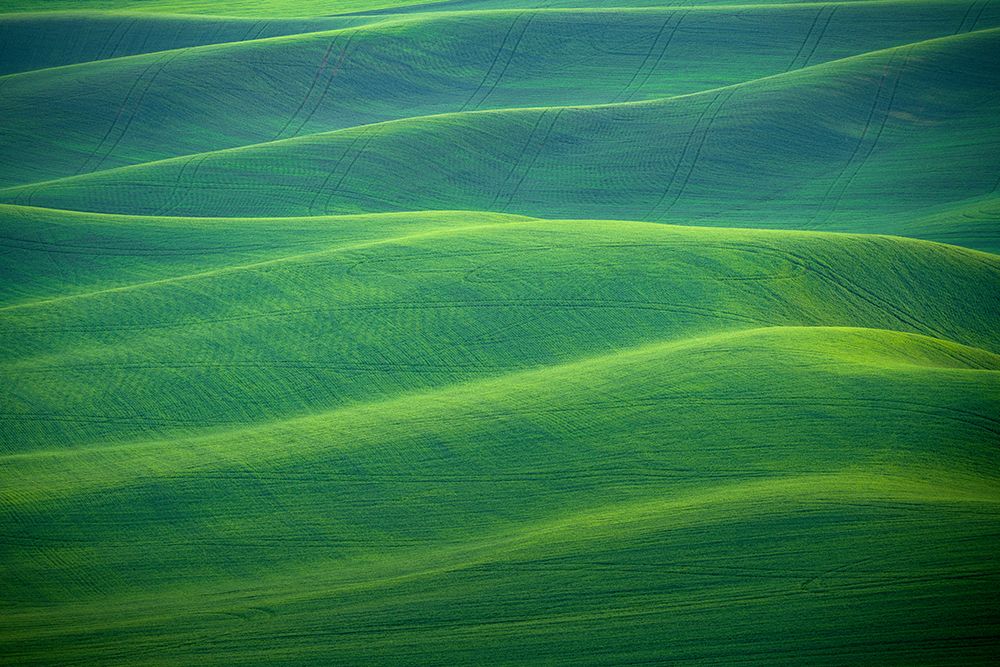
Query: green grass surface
[[179, 102], [267, 8], [361, 339], [44, 40], [868, 142]]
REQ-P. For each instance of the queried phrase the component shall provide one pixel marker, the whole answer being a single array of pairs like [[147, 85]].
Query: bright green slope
[[456, 436], [332, 311], [831, 498], [352, 339]]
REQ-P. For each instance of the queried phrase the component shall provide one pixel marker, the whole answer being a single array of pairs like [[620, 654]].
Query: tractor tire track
[[312, 86], [680, 159], [819, 37], [246, 35], [881, 128], [802, 46], [330, 174], [496, 57], [829, 12], [138, 102], [534, 158], [121, 110], [649, 54], [975, 21], [726, 96], [510, 58], [160, 64], [856, 168], [965, 16], [326, 89], [176, 195], [517, 160], [659, 58], [124, 26], [719, 100], [263, 26], [370, 134], [821, 207]]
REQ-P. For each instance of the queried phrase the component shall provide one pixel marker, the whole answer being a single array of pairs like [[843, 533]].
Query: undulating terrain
[[499, 332]]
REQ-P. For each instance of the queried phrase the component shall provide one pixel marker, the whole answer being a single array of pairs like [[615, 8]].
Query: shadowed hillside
[[44, 40], [180, 101], [865, 143]]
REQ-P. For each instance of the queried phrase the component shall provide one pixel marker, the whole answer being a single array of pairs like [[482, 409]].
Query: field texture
[[499, 332]]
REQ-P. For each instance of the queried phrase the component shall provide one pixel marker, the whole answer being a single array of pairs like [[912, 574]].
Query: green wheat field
[[486, 332]]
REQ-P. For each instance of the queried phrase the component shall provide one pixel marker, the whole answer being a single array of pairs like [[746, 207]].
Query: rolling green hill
[[311, 8], [487, 295], [179, 102], [45, 40], [499, 332], [793, 150]]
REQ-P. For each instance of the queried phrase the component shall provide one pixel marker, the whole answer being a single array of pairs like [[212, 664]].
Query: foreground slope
[[766, 495]]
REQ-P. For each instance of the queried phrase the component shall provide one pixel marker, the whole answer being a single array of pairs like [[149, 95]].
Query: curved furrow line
[[215, 46], [24, 188], [856, 289], [506, 305], [631, 355], [473, 437]]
